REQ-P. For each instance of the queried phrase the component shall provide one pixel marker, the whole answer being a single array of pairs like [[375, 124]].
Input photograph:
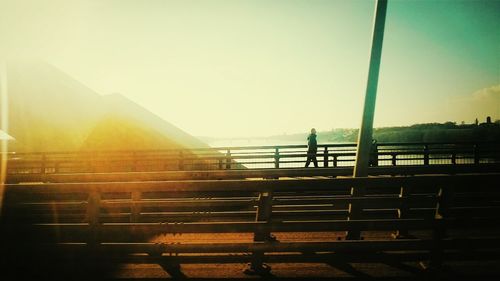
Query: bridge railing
[[433, 217], [251, 157]]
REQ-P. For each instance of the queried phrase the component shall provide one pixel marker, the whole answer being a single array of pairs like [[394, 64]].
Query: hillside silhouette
[[429, 132], [51, 111]]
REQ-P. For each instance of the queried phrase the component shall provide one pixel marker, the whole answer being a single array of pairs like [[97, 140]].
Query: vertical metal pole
[[325, 157], [264, 214], [228, 160], [181, 160], [426, 154], [93, 211], [365, 132], [135, 206], [276, 158]]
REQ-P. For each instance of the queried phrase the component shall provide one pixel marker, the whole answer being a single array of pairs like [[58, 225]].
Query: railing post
[[181, 160], [93, 162], [93, 210], [444, 199], [426, 154], [476, 153], [394, 156], [335, 164], [88, 168], [263, 214], [355, 211], [220, 163], [164, 160], [405, 197], [373, 161], [134, 162], [43, 167], [136, 206], [325, 157], [276, 158], [228, 159]]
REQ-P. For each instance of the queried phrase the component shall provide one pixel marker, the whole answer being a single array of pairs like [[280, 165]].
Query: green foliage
[[436, 132], [429, 132]]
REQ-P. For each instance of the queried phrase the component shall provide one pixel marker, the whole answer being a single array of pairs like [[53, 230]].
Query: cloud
[[479, 104], [489, 94]]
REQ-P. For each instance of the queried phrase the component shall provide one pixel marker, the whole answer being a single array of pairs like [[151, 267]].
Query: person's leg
[[308, 160], [315, 161]]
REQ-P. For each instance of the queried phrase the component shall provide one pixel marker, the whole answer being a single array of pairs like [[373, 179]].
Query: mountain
[[49, 110]]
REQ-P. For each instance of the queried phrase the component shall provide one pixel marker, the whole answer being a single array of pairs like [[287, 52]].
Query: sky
[[257, 68]]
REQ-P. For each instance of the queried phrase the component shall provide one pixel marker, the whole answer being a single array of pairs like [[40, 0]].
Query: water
[[252, 142]]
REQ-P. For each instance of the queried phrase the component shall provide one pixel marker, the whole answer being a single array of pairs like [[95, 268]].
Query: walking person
[[312, 149], [373, 160]]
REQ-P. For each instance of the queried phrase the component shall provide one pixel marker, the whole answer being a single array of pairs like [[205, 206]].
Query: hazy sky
[[252, 68]]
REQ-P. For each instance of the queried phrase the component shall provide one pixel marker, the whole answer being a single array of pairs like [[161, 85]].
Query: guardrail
[[249, 173], [416, 218], [253, 157]]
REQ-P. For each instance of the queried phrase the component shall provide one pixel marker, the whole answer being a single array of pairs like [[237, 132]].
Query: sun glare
[[4, 127]]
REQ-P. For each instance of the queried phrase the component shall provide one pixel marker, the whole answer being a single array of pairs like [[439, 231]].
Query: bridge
[[427, 204], [420, 207]]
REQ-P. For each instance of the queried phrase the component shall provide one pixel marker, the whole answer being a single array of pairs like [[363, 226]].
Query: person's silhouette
[[312, 148], [373, 160]]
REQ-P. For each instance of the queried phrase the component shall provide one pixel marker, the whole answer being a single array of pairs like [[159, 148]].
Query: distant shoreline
[[430, 132]]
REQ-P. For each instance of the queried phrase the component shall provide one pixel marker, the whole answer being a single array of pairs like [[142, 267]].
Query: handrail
[[251, 157], [91, 215], [247, 173], [220, 148]]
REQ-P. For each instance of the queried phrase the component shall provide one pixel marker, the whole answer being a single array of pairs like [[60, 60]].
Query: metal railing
[[251, 157], [430, 215]]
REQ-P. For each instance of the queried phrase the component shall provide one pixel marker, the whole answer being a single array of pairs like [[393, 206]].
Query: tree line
[[428, 132]]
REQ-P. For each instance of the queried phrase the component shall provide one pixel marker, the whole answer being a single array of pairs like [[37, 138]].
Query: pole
[[366, 130]]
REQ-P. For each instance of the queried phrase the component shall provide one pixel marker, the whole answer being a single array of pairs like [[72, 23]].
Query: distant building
[[488, 122]]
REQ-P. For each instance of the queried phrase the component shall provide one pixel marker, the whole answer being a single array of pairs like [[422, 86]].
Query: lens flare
[[4, 127]]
